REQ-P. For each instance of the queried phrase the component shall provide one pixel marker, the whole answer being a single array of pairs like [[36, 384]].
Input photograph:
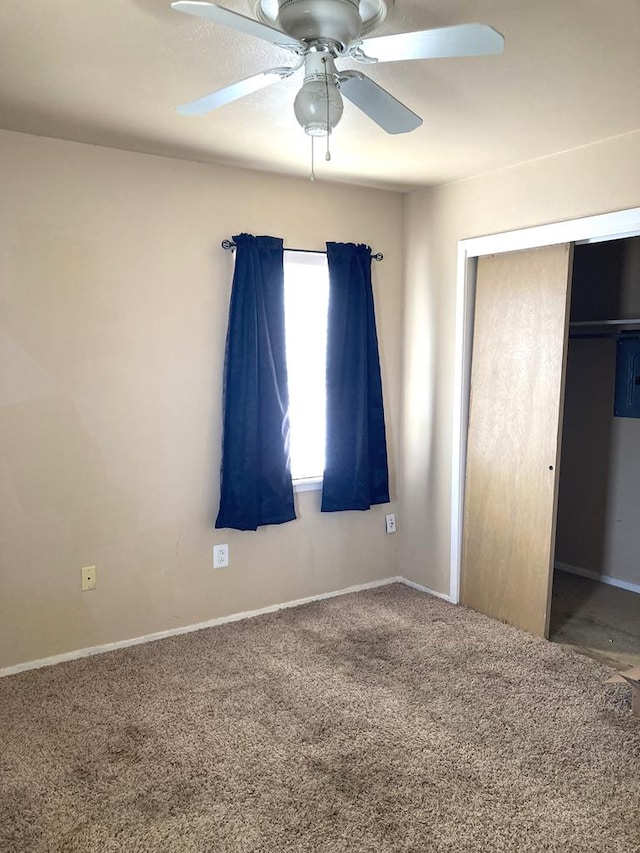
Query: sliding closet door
[[515, 421]]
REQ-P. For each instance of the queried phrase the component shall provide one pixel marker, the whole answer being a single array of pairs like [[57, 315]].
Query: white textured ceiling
[[112, 72]]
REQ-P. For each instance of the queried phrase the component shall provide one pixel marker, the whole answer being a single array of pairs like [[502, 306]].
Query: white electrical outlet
[[220, 556], [391, 523], [89, 578]]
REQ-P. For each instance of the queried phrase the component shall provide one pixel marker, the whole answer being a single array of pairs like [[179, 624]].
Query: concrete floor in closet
[[596, 619]]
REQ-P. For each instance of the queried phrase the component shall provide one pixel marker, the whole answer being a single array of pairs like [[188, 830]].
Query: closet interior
[[596, 586]]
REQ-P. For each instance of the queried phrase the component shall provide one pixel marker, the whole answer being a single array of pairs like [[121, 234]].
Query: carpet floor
[[377, 722]]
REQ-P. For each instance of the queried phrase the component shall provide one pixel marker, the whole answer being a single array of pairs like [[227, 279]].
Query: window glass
[[306, 288]]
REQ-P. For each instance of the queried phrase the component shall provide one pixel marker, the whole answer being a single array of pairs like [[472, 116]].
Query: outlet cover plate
[[89, 577], [220, 556]]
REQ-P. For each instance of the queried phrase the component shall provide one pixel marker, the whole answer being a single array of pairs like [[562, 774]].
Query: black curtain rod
[[229, 245]]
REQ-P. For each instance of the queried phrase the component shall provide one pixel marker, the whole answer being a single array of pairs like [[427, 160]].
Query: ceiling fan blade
[[377, 103], [210, 102], [442, 43], [220, 15]]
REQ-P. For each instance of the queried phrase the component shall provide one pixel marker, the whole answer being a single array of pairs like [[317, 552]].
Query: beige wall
[[114, 294], [591, 180], [599, 499], [114, 300]]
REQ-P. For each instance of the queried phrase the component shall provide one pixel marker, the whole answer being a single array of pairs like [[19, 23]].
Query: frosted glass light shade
[[310, 107]]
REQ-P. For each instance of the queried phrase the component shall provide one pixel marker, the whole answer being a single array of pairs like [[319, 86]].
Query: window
[[306, 299]]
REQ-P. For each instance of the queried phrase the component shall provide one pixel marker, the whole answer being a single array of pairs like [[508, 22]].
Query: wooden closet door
[[513, 444]]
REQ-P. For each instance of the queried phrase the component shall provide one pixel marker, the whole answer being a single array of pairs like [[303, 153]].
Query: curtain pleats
[[255, 479], [356, 472]]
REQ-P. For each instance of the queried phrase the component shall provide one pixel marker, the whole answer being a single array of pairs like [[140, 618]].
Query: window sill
[[307, 484]]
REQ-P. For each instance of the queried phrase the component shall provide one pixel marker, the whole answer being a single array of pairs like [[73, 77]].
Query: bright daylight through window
[[306, 296]]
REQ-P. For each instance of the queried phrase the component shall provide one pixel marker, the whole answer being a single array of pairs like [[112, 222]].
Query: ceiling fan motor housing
[[332, 20]]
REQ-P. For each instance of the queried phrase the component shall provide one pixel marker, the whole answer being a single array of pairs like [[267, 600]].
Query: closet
[[552, 477], [598, 515]]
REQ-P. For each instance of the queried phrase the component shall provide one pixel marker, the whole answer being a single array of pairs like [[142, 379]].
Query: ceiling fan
[[318, 32]]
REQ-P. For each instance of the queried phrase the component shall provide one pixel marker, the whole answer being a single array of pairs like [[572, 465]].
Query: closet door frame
[[590, 229]]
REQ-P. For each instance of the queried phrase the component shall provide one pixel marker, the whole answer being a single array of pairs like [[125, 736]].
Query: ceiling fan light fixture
[[318, 105], [316, 114]]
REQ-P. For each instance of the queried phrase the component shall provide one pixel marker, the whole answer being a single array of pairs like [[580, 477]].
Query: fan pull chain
[[313, 168], [326, 85]]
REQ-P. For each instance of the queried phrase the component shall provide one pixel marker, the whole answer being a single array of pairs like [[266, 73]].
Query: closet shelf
[[615, 329], [577, 323]]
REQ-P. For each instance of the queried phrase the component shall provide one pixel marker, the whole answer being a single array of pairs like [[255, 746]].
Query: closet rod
[[230, 245]]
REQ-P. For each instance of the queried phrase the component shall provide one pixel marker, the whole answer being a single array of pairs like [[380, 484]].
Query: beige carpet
[[383, 721]]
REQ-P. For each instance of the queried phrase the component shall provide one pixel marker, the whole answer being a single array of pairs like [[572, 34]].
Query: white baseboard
[[594, 576], [426, 589], [211, 623]]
